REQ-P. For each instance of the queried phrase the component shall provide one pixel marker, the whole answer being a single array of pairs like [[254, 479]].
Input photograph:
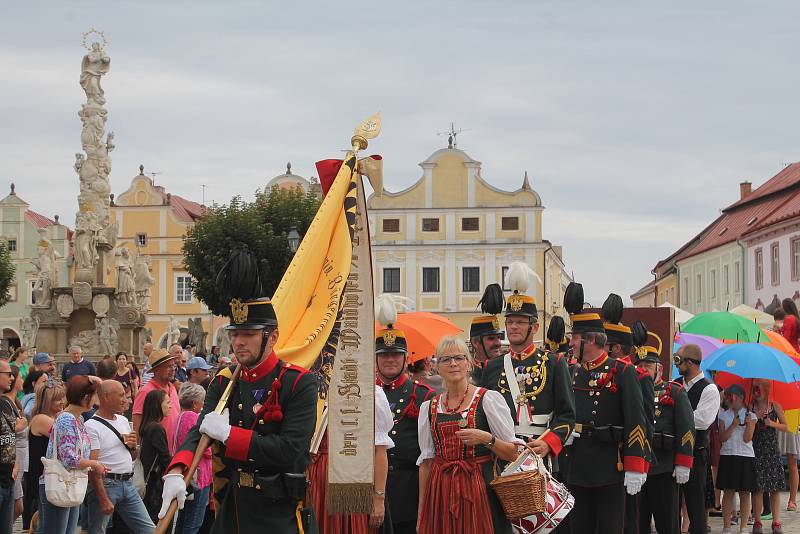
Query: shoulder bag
[[64, 487]]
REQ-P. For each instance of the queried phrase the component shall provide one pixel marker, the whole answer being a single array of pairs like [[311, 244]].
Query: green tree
[[6, 273], [260, 226]]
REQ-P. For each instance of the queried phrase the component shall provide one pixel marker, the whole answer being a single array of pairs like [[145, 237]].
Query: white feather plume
[[387, 306], [520, 276]]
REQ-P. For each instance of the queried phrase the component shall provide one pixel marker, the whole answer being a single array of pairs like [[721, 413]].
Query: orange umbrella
[[423, 331], [779, 342]]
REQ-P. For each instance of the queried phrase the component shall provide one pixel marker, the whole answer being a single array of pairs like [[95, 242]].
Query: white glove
[[174, 489], [216, 426], [572, 437], [634, 482], [681, 474]]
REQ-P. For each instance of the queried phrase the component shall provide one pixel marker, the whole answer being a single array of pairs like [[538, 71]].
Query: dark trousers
[[406, 527], [598, 510], [694, 494], [659, 499], [631, 514]]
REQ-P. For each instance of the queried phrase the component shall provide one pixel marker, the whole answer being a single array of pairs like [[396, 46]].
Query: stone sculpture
[[94, 65], [173, 331], [197, 336], [107, 334], [46, 276], [143, 281], [29, 327], [125, 292]]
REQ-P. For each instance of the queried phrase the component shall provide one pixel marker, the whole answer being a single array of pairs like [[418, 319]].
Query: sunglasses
[[677, 359]]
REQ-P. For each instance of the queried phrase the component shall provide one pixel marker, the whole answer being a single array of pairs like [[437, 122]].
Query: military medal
[[256, 407], [462, 423]]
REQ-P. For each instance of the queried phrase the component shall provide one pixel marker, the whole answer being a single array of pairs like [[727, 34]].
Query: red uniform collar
[[261, 370], [394, 384], [527, 351], [597, 362]]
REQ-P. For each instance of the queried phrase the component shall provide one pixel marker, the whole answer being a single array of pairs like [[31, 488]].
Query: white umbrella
[[761, 318], [681, 316]]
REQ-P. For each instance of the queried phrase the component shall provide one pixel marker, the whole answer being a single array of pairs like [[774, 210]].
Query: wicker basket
[[521, 494]]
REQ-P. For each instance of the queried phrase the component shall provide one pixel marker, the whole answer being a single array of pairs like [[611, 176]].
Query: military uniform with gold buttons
[[405, 397], [272, 413], [673, 445], [545, 392], [610, 430]]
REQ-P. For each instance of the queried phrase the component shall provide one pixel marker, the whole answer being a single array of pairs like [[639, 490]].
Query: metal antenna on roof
[[452, 135], [204, 193], [154, 174]]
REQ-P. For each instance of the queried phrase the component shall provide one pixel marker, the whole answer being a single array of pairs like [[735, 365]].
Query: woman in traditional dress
[[461, 432]]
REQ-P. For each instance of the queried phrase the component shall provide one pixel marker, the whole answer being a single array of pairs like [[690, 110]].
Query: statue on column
[[29, 327], [173, 331], [107, 334], [125, 292], [143, 281], [94, 65], [85, 240], [46, 276]]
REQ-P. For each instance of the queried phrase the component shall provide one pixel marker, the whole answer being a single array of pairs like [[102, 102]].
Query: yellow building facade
[[442, 240], [154, 222]]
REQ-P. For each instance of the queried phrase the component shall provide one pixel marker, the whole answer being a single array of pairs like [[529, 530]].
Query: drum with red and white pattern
[[559, 503]]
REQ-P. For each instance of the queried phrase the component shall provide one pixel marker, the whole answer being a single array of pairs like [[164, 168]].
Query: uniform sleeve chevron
[[637, 435], [688, 438]]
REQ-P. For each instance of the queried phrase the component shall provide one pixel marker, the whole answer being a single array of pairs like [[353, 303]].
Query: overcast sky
[[635, 120]]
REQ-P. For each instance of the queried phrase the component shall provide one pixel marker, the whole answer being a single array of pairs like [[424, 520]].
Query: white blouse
[[497, 414], [383, 419], [735, 446]]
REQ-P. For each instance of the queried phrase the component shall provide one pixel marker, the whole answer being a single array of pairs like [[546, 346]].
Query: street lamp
[[294, 239]]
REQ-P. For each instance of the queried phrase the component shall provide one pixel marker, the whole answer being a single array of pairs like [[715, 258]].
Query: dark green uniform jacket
[[272, 415], [546, 387], [402, 486], [611, 422], [673, 441]]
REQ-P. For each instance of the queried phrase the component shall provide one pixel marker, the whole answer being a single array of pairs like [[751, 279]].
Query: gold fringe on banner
[[353, 498]]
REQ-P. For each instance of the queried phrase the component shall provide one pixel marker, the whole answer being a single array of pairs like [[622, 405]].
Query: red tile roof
[[38, 220], [185, 210], [775, 200]]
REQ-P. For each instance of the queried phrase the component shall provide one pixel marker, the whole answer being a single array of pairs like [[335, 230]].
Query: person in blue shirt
[[77, 365]]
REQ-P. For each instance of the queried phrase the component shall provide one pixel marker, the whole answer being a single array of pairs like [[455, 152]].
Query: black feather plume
[[573, 298], [239, 277], [556, 330], [612, 309], [492, 302], [639, 333]]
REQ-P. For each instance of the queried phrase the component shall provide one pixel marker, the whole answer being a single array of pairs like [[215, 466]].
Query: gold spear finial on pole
[[369, 128]]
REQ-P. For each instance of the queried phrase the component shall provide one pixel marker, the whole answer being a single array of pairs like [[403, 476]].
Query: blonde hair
[[45, 395], [452, 342]]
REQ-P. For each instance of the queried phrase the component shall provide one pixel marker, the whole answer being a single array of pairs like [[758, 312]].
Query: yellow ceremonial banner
[[307, 299]]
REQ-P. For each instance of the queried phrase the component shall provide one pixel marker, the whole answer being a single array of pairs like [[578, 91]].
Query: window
[[737, 277], [699, 288], [12, 245], [141, 239], [509, 223], [685, 291], [391, 280], [503, 273], [31, 285], [775, 266], [183, 289], [430, 279], [713, 284], [430, 225], [759, 268], [795, 246], [726, 280], [470, 279], [391, 225], [470, 224]]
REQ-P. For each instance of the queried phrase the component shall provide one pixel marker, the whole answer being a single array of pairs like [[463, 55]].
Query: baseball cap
[[197, 363], [735, 389], [42, 357]]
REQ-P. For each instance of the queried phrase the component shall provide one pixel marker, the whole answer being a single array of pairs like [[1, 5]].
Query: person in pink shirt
[[162, 365], [791, 323], [190, 519]]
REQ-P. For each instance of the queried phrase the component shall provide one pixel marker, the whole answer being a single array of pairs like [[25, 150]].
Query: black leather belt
[[119, 476]]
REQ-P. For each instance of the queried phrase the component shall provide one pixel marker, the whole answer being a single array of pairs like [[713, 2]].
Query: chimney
[[745, 188]]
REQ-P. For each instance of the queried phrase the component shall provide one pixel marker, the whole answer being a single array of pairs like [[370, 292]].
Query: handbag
[[64, 487]]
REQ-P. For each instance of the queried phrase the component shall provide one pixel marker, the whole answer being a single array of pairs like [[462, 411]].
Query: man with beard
[[405, 398], [265, 433], [485, 335], [535, 384]]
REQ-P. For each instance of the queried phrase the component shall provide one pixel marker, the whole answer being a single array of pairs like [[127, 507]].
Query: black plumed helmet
[[639, 333], [492, 302], [612, 309], [239, 278], [573, 298], [556, 329]]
